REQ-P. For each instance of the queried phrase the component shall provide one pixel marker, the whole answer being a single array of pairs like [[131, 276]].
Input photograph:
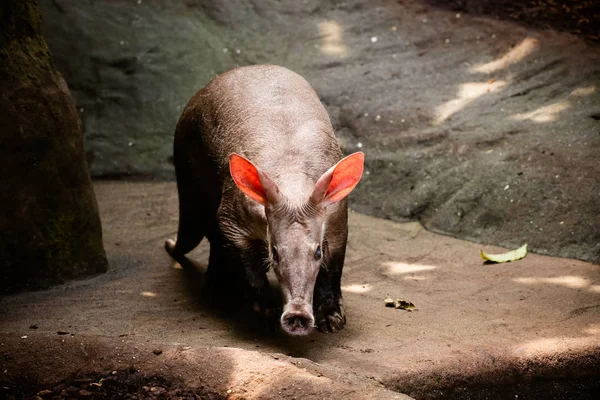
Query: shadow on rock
[[569, 376]]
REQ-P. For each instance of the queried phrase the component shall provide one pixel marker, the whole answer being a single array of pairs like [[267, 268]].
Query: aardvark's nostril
[[297, 323]]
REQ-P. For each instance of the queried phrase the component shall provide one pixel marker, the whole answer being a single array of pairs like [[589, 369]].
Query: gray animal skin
[[285, 209]]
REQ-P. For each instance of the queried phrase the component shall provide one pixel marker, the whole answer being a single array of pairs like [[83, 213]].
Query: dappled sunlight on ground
[[332, 40], [550, 112], [593, 329], [547, 113], [274, 373], [572, 282], [584, 91], [594, 289], [556, 345], [395, 268], [176, 265], [357, 288], [514, 55], [416, 278], [466, 93], [470, 91]]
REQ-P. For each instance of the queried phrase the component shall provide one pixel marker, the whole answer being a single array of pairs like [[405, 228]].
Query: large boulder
[[478, 128], [49, 224]]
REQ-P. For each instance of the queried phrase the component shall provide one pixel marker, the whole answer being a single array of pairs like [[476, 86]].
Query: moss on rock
[[49, 225]]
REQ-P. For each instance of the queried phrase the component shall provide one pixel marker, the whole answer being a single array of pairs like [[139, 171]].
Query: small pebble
[[374, 39], [359, 145], [377, 117], [157, 352], [506, 187]]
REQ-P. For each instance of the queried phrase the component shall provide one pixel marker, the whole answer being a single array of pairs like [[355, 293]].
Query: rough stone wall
[[478, 128]]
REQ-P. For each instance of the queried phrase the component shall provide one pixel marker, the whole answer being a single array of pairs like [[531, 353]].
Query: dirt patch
[[123, 384], [109, 366], [575, 388]]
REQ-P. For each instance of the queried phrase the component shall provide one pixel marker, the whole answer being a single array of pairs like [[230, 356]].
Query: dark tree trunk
[[49, 224]]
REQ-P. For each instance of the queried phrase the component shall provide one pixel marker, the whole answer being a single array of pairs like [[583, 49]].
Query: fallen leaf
[[399, 304], [404, 305], [97, 384], [513, 255], [388, 302]]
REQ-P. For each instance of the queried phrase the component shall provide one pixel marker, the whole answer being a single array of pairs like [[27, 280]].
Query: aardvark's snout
[[297, 318]]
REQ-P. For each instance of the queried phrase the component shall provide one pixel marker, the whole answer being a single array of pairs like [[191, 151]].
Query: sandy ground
[[527, 328]]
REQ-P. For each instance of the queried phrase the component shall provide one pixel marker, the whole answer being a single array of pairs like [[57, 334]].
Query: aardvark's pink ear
[[339, 180], [253, 183]]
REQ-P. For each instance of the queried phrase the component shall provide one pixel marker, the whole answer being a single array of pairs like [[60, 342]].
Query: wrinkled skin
[[296, 255]]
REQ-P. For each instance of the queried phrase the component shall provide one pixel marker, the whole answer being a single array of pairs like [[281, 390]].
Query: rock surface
[[528, 328], [49, 224], [477, 128]]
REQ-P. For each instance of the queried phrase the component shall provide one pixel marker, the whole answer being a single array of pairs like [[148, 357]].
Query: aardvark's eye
[[318, 253]]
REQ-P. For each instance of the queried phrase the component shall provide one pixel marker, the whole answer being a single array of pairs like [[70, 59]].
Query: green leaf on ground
[[505, 257]]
